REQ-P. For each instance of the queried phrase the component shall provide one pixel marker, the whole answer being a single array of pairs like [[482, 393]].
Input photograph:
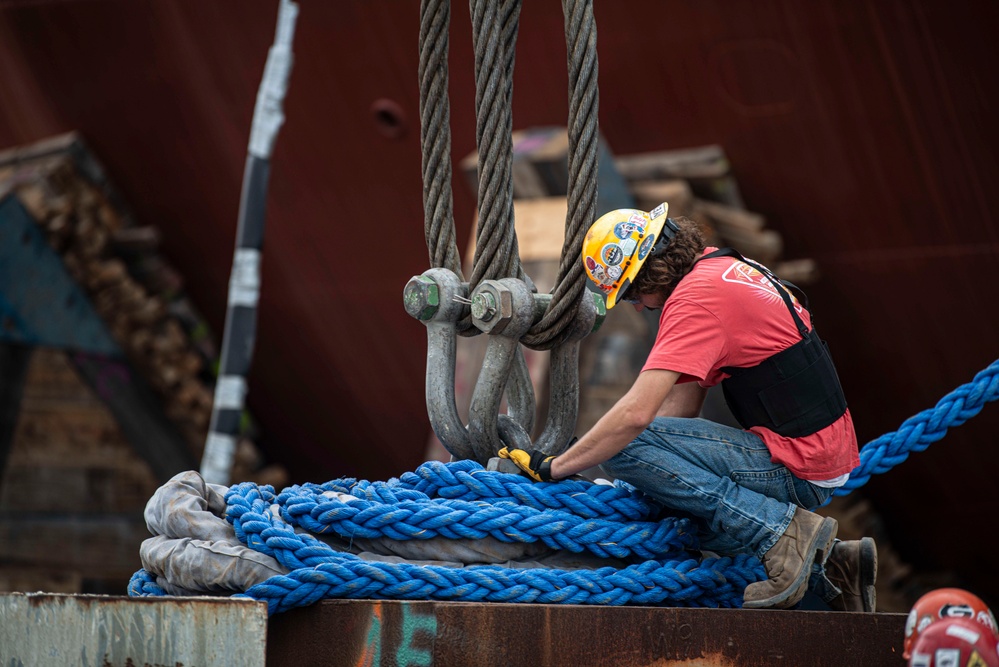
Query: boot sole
[[792, 595], [868, 573]]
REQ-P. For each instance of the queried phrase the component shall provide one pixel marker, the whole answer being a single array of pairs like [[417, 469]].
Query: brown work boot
[[789, 561], [852, 567]]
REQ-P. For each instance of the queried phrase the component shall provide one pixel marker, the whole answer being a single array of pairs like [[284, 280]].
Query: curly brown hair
[[660, 274]]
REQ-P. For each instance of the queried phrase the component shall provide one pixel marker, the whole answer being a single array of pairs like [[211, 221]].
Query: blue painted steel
[[40, 304]]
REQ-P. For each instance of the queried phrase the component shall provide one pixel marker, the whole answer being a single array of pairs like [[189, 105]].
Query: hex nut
[[421, 297], [494, 319], [484, 306]]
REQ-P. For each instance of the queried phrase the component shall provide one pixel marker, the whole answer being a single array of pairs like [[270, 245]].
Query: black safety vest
[[795, 392]]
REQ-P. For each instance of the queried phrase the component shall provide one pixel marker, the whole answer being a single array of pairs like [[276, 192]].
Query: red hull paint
[[864, 131]]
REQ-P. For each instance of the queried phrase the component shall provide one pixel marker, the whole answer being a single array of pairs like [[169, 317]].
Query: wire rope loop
[[581, 55], [494, 31]]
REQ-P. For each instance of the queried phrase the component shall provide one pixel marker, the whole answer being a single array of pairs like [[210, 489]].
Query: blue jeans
[[742, 502]]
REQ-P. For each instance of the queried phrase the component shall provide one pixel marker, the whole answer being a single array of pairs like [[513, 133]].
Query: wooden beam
[[95, 545], [139, 414]]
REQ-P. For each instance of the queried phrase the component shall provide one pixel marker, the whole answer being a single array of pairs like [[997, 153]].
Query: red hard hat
[[955, 642], [944, 603]]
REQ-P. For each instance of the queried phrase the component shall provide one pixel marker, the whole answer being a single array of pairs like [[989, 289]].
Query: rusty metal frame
[[51, 629], [420, 634]]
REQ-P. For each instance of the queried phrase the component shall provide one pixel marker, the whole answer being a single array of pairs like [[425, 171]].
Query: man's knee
[[667, 425], [613, 465], [636, 461]]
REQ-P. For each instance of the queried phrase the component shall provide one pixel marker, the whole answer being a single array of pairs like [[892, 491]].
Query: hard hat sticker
[[623, 230], [614, 272], [611, 254], [628, 247], [957, 611], [967, 634], [596, 271], [638, 220], [643, 250], [657, 211]]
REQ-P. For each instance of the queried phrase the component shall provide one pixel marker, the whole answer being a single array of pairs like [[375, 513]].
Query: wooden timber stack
[[73, 489], [95, 241], [70, 465], [699, 183]]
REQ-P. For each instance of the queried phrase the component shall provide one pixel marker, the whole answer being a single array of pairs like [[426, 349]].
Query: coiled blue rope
[[438, 498], [713, 582], [469, 481], [422, 519], [143, 584], [248, 505], [921, 430], [317, 571], [463, 480]]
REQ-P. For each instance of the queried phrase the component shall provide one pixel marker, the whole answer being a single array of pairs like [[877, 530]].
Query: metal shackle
[[503, 307]]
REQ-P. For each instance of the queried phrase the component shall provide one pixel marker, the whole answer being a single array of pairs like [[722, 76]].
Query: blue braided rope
[[248, 511], [459, 519], [143, 584], [469, 481], [714, 582], [921, 430], [317, 571]]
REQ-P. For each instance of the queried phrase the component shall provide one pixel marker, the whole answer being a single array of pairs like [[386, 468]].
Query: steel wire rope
[[494, 30], [435, 141], [494, 34], [581, 56]]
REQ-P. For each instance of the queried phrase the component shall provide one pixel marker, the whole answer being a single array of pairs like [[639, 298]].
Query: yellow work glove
[[536, 465]]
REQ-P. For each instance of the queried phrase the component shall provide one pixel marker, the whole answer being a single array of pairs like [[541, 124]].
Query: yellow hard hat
[[618, 243]]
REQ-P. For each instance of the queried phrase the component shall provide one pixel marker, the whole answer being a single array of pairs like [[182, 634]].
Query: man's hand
[[536, 465]]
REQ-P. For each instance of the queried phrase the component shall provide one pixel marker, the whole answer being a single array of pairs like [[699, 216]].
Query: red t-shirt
[[726, 313]]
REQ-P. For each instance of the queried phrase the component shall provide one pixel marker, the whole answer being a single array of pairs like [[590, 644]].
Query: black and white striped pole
[[244, 279]]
